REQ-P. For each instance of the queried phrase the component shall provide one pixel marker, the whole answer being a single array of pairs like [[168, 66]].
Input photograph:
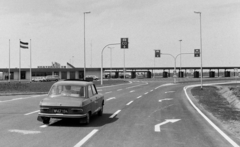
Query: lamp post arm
[[102, 60]]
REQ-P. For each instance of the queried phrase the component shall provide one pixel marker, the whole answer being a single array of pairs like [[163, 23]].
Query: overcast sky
[[55, 28]]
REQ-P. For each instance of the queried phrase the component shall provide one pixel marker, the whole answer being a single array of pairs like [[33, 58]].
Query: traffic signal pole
[[102, 60]]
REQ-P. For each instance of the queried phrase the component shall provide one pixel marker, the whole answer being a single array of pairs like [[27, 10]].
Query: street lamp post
[[84, 45], [111, 61], [200, 45], [180, 56]]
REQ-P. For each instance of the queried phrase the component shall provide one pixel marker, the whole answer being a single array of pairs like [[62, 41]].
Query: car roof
[[74, 82]]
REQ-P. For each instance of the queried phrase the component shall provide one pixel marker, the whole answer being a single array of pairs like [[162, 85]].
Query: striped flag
[[23, 45]]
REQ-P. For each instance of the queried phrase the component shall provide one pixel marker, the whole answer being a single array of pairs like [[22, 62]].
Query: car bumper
[[53, 115]]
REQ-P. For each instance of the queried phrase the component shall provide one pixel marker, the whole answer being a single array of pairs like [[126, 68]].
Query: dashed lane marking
[[146, 93], [136, 86], [119, 89], [139, 97], [86, 138], [169, 91], [114, 114], [108, 92], [131, 91], [129, 103], [110, 98], [31, 112]]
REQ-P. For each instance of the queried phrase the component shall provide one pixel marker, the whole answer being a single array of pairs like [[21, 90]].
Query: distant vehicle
[[52, 78], [71, 99], [38, 79], [92, 76]]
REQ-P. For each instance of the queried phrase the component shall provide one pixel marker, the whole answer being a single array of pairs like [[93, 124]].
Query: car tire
[[87, 119], [46, 120], [100, 112]]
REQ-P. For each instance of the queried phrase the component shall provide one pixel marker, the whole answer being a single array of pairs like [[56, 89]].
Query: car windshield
[[67, 90]]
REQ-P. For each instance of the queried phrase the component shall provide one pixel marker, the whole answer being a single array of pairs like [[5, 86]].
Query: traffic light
[[157, 53], [196, 52], [124, 43]]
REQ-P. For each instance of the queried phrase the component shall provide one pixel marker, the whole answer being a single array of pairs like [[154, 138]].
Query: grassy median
[[16, 87], [212, 101]]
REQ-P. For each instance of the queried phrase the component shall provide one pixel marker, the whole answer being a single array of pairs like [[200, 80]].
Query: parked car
[[92, 76], [71, 99], [52, 78], [38, 79]]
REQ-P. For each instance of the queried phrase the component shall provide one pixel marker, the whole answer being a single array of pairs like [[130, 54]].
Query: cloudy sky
[[55, 28]]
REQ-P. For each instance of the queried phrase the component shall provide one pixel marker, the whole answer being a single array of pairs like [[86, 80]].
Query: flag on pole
[[23, 45]]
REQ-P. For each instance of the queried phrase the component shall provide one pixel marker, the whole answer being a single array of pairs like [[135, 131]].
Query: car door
[[92, 99], [98, 97]]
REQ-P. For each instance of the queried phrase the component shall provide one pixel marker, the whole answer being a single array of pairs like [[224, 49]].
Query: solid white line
[[139, 97], [119, 89], [129, 103], [110, 98], [234, 144], [31, 112], [86, 138], [146, 93], [114, 114]]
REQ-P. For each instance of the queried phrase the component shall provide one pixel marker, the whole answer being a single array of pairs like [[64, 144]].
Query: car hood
[[62, 101]]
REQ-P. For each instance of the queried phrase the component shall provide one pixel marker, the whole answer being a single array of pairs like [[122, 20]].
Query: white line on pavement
[[108, 92], [129, 103], [81, 142], [112, 116], [44, 126], [136, 86], [169, 91], [131, 91], [139, 97], [31, 112], [146, 93], [234, 144], [151, 90], [119, 89], [110, 98]]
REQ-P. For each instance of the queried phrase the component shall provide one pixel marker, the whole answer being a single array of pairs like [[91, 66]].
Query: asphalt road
[[137, 114]]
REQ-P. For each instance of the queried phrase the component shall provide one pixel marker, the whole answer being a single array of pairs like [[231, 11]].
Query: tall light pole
[[180, 56], [200, 44], [84, 45], [111, 61]]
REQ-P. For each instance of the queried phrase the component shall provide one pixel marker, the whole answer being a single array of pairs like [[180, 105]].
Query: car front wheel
[[87, 119]]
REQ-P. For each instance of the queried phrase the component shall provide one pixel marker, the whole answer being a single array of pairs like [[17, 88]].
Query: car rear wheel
[[46, 120]]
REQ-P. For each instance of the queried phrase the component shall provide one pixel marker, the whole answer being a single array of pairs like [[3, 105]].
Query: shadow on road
[[95, 121]]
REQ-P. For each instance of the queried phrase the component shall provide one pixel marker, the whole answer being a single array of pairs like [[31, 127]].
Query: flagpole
[[19, 61], [9, 64], [30, 61]]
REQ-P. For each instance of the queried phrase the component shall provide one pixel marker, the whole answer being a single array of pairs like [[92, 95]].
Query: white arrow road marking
[[31, 112], [132, 91], [25, 132], [80, 143], [112, 116], [110, 98], [169, 91], [157, 126], [167, 99], [129, 103]]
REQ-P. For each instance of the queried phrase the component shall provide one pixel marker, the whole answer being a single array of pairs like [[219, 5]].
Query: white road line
[[110, 98], [31, 112], [108, 92], [17, 98], [81, 142], [139, 97], [151, 90], [169, 91], [129, 103], [136, 86], [131, 91], [44, 126], [146, 93], [112, 116], [119, 89], [234, 144]]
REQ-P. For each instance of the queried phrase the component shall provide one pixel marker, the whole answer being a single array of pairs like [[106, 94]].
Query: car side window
[[94, 90], [90, 94]]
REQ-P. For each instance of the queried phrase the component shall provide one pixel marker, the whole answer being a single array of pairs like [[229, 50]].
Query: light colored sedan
[[71, 99]]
